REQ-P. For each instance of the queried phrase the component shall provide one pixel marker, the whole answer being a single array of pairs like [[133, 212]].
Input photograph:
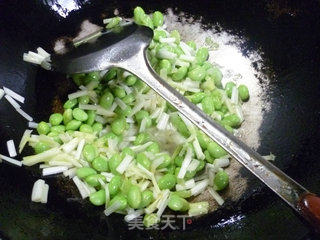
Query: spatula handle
[[309, 207]]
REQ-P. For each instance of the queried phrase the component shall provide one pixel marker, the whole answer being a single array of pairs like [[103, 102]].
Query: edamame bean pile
[[130, 151]]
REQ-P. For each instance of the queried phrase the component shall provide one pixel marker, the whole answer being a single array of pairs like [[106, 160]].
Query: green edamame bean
[[111, 135], [215, 150], [127, 112], [131, 80], [179, 125], [216, 93], [166, 162], [141, 86], [176, 171], [91, 117], [228, 88], [190, 174], [178, 160], [102, 141], [221, 114], [243, 92], [43, 128], [55, 137], [152, 45], [208, 157], [170, 169], [73, 125], [147, 21], [128, 99], [157, 34], [97, 127], [119, 199], [167, 181], [119, 92], [232, 120], [92, 76], [86, 128], [217, 103], [192, 44], [85, 172], [143, 160], [118, 126], [55, 119], [146, 198], [157, 19], [114, 162], [71, 103], [183, 193], [41, 147], [100, 164], [106, 100], [208, 84], [98, 198], [123, 112], [165, 46], [134, 196], [165, 64], [127, 151], [224, 109], [58, 129], [67, 116], [141, 18], [202, 55], [89, 152], [228, 128], [79, 114], [78, 78], [153, 148], [206, 65], [141, 138], [138, 14], [207, 105], [93, 180], [84, 100], [197, 74], [221, 180], [179, 74], [99, 88], [177, 203], [141, 115], [111, 74], [125, 186], [216, 74], [114, 22], [115, 184], [197, 97], [203, 139], [175, 34], [200, 166], [70, 132], [150, 219], [148, 121]]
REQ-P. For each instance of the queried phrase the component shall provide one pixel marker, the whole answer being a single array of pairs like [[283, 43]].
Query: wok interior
[[287, 36]]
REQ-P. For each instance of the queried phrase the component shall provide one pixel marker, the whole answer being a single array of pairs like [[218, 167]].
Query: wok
[[285, 34]]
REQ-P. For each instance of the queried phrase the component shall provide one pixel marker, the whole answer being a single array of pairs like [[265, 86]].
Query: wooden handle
[[309, 207]]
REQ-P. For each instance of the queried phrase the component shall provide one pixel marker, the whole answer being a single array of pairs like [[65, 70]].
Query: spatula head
[[105, 51]]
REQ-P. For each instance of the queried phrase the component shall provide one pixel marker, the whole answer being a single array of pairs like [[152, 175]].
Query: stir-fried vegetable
[[117, 137]]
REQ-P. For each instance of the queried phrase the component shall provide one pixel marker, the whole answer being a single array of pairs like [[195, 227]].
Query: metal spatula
[[126, 48]]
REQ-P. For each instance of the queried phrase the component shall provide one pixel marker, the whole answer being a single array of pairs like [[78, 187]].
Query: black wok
[[286, 32]]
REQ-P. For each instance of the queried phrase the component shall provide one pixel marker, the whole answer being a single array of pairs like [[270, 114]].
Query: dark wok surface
[[287, 32]]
